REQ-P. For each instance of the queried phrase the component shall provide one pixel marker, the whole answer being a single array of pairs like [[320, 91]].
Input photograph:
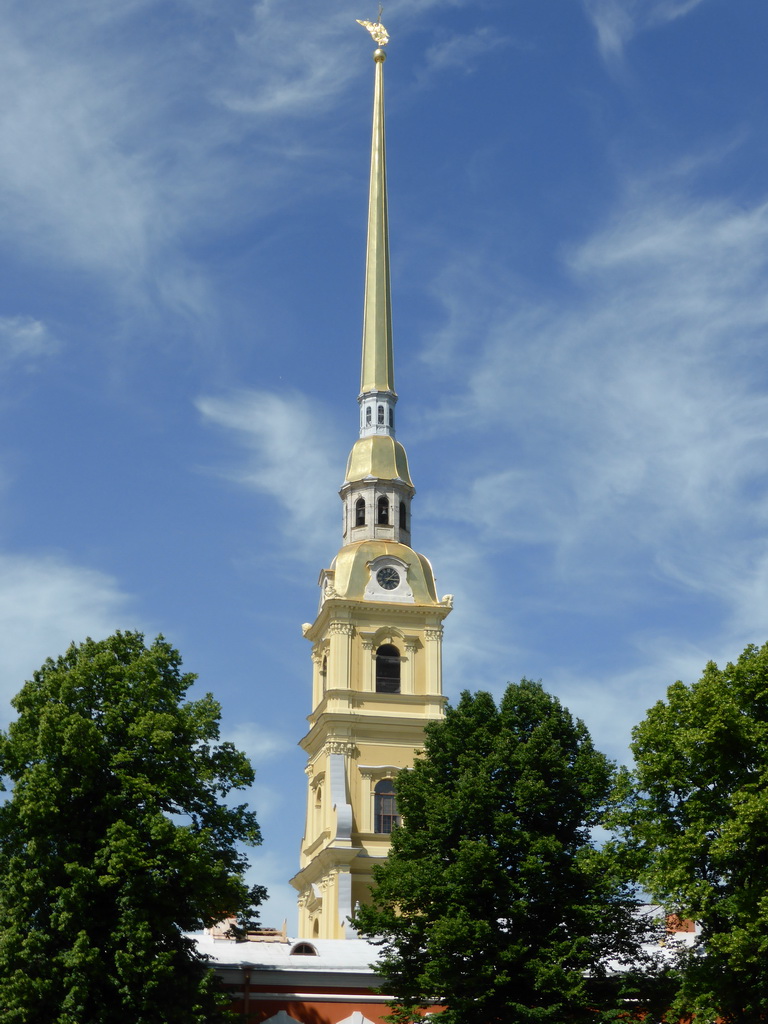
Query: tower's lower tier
[[377, 683]]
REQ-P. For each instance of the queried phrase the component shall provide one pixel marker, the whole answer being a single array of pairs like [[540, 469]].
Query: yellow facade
[[359, 737], [377, 638]]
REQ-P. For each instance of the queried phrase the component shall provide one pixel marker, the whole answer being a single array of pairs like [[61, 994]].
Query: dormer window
[[360, 511], [382, 511], [304, 948]]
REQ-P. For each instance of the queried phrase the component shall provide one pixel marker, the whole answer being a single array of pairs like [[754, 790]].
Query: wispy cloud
[[118, 131], [297, 65], [462, 51], [612, 705], [24, 340], [288, 458], [292, 67], [115, 147], [257, 742], [481, 640], [643, 382], [616, 22], [638, 389], [64, 170], [269, 868], [45, 604], [669, 10], [91, 155]]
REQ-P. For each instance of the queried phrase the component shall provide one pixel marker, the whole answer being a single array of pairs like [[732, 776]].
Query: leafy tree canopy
[[695, 829], [116, 839], [493, 896]]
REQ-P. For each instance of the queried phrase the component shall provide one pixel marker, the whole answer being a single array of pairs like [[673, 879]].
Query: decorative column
[[340, 655], [317, 690], [368, 674], [434, 656], [408, 676]]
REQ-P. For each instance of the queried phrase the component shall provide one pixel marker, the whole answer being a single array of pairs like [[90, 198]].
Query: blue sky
[[579, 221]]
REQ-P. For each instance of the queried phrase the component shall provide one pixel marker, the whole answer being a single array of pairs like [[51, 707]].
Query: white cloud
[[270, 869], [297, 65], [113, 151], [289, 458], [259, 744], [641, 383], [96, 172], [462, 51], [47, 603], [63, 170], [292, 67], [121, 134], [669, 10], [24, 339], [616, 22], [479, 639], [613, 706], [638, 388], [404, 9]]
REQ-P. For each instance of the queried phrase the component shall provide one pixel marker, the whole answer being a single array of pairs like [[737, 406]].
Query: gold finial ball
[[379, 55]]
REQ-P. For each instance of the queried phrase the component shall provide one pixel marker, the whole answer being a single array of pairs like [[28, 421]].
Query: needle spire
[[377, 379]]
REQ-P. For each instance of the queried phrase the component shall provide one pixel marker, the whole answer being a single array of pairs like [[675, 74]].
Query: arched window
[[382, 510], [384, 807], [403, 522], [387, 669], [324, 672], [318, 811], [304, 948], [391, 417], [381, 415], [360, 512], [368, 416]]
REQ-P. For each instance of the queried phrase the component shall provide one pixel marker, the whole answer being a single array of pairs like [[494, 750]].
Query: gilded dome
[[379, 456], [352, 573]]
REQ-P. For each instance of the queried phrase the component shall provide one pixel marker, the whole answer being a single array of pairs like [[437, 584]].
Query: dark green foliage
[[695, 830], [115, 840], [493, 896]]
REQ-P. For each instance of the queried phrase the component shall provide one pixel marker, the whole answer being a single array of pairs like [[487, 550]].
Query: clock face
[[388, 578]]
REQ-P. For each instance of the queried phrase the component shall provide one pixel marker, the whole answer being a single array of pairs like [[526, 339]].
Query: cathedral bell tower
[[377, 638]]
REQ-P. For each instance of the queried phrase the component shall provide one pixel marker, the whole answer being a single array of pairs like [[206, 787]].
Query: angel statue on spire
[[377, 30]]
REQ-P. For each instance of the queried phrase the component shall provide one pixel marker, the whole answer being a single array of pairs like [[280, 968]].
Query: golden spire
[[377, 364]]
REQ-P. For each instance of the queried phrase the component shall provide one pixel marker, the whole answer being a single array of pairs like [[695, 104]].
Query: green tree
[[115, 840], [695, 831], [493, 896]]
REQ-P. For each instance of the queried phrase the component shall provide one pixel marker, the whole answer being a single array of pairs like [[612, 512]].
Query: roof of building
[[332, 956], [337, 957]]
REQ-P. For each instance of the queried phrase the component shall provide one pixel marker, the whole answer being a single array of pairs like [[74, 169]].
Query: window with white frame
[[385, 815]]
